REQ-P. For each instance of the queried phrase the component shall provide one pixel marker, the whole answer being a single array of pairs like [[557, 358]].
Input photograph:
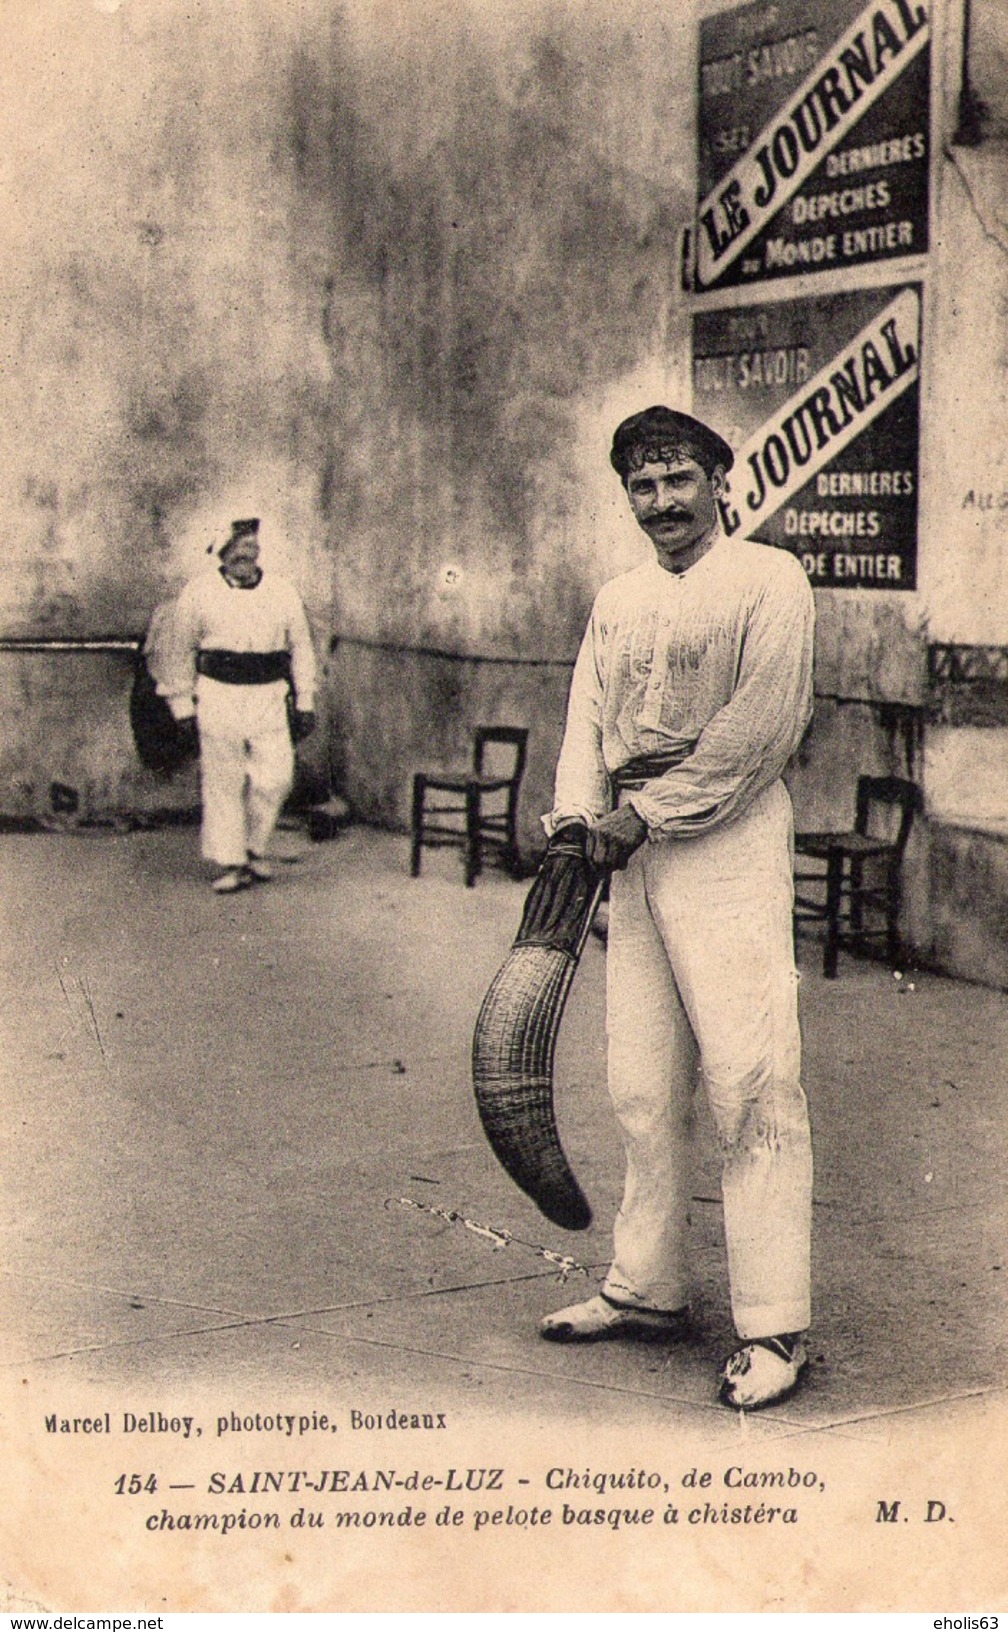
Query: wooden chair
[[850, 904], [481, 833]]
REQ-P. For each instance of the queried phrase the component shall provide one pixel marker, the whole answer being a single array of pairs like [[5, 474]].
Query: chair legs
[[416, 827], [892, 917], [510, 852], [833, 909], [834, 888], [470, 837], [473, 857], [856, 903]]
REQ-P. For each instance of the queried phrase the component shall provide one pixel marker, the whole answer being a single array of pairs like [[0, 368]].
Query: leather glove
[[304, 723], [571, 833], [188, 735], [613, 839]]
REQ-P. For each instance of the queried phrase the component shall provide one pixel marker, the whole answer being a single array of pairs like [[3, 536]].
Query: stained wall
[[388, 276], [381, 276]]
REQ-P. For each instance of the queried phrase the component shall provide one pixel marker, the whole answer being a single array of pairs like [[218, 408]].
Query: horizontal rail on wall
[[451, 657], [844, 699], [70, 643]]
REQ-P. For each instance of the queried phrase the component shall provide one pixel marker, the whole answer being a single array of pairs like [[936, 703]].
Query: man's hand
[[613, 839], [304, 723]]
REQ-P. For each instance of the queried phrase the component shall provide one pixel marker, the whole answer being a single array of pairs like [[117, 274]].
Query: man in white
[[240, 644], [691, 691]]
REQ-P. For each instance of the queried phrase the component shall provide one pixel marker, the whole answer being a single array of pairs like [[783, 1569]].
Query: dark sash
[[637, 771], [244, 668]]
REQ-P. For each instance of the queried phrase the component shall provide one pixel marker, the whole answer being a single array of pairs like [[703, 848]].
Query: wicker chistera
[[516, 1032]]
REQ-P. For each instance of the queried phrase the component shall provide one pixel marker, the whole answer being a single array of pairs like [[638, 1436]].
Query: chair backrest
[[887, 794], [514, 737]]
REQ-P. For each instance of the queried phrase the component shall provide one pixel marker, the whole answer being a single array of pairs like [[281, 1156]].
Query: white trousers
[[701, 974], [246, 767]]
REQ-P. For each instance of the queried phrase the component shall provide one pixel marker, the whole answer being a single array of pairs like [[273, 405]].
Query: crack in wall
[[992, 234]]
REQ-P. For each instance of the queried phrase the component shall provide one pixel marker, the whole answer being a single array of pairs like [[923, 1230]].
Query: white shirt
[[713, 665], [213, 615]]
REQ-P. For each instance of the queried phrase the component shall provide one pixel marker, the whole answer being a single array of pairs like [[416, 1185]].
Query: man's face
[[241, 560], [675, 502]]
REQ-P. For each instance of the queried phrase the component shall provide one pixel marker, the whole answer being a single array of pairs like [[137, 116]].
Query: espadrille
[[602, 1317], [232, 879], [762, 1372]]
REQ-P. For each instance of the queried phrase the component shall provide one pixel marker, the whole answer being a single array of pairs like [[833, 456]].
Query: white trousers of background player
[[246, 766], [701, 973]]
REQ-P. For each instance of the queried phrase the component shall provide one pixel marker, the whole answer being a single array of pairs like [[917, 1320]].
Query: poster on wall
[[813, 138], [820, 399]]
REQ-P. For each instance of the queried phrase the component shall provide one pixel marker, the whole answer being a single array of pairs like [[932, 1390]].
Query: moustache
[[667, 516]]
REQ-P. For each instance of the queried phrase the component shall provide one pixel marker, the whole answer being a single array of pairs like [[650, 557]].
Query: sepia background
[[387, 276]]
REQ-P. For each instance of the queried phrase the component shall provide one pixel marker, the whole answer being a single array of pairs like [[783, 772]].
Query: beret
[[659, 434], [247, 527]]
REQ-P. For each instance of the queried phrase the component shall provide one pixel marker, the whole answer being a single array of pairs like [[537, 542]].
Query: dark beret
[[248, 527], [658, 434]]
